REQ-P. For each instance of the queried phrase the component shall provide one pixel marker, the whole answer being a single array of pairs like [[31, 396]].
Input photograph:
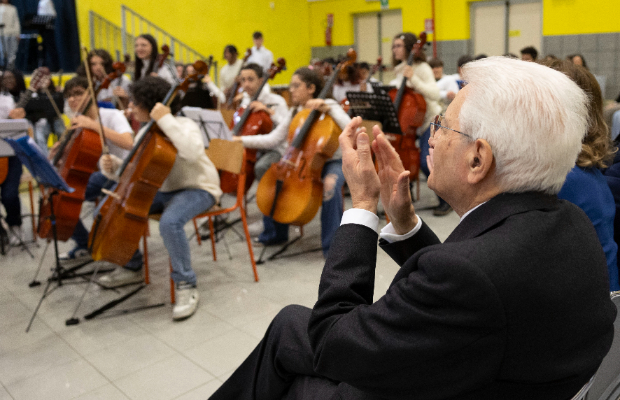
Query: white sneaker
[[15, 233], [186, 303], [77, 253], [120, 277]]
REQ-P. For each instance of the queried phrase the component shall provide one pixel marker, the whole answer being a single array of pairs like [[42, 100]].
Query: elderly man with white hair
[[513, 305]]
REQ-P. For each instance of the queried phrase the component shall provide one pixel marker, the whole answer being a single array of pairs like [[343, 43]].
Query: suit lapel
[[498, 209]]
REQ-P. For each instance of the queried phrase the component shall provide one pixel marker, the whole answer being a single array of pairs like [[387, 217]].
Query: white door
[[488, 27], [525, 26], [371, 44]]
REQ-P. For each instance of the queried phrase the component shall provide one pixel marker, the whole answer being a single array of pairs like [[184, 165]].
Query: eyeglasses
[[436, 124]]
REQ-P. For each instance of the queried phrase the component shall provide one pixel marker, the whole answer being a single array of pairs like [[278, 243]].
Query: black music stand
[[44, 173], [375, 106]]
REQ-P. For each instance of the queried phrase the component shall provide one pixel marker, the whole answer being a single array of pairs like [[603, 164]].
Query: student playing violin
[[305, 86], [146, 51], [192, 186]]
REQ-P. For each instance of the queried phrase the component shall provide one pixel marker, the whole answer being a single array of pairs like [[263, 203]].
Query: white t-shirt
[[262, 57], [108, 94], [115, 120], [6, 105], [228, 73]]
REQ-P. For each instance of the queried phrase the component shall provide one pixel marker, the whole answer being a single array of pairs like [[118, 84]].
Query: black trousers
[[280, 367]]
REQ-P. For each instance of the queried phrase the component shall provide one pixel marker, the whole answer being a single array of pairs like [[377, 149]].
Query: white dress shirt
[[262, 57]]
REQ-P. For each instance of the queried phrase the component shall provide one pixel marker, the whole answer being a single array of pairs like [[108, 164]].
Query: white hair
[[534, 118]]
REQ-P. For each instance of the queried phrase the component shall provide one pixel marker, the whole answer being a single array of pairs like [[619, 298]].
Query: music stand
[[211, 123], [12, 128], [375, 106], [44, 173]]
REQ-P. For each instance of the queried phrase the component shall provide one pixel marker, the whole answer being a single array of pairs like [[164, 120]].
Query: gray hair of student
[[533, 117]]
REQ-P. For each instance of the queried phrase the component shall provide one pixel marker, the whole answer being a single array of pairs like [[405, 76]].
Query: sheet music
[[211, 123], [11, 128]]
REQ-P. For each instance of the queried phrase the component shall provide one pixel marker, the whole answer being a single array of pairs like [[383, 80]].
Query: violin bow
[[104, 145]]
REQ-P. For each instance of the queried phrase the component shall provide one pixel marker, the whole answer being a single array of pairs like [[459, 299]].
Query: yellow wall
[[209, 26], [560, 17], [291, 27]]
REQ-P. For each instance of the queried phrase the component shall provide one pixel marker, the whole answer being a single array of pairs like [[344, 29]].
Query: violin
[[410, 107], [235, 87], [246, 123], [123, 216], [76, 159], [291, 190]]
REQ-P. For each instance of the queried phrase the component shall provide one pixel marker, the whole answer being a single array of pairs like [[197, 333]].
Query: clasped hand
[[391, 183]]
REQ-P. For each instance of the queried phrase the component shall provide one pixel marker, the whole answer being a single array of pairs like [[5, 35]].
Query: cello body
[[123, 218], [258, 123], [78, 162], [410, 117], [295, 182], [4, 168]]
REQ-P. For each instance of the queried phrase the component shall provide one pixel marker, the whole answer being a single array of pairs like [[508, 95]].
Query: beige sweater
[[192, 168]]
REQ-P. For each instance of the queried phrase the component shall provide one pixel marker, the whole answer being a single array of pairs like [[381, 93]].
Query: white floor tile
[[166, 379], [92, 336], [203, 392], [223, 353], [121, 359], [107, 392], [4, 395], [33, 359], [62, 382]]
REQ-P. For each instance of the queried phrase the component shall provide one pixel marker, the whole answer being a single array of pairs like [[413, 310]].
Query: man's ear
[[479, 161]]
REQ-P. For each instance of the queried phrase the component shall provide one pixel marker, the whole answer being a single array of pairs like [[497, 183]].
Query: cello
[[76, 159], [248, 123], [123, 215], [410, 107], [291, 191]]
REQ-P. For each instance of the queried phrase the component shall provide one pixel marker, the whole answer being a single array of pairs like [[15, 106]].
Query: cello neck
[[403, 84], [167, 100], [237, 129]]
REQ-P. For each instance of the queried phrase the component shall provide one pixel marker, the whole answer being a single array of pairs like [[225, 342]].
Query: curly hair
[[151, 90], [597, 147]]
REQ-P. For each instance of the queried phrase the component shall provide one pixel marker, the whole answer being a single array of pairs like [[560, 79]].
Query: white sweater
[[8, 17], [422, 81], [192, 168], [276, 139]]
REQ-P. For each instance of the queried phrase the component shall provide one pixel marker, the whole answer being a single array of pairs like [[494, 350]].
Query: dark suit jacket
[[514, 305]]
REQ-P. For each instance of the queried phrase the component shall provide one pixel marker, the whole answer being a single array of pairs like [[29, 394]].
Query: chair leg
[[212, 235], [248, 239], [34, 226], [198, 238], [172, 288], [146, 255]]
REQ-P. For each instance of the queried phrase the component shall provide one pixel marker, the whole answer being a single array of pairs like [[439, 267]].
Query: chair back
[[226, 155], [606, 384]]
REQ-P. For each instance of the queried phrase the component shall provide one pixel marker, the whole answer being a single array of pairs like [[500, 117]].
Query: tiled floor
[[144, 355]]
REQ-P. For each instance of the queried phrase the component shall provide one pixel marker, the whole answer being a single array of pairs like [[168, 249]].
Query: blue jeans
[[9, 193], [96, 182], [42, 130], [177, 209], [331, 210]]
